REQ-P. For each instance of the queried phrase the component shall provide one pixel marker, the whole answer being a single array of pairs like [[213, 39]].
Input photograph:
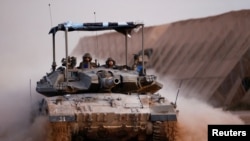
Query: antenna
[[53, 41], [95, 16], [30, 96], [177, 93], [96, 36], [50, 15], [96, 31]]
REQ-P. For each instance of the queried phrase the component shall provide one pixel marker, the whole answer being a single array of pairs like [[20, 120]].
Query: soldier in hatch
[[86, 62], [71, 62], [110, 63], [138, 64]]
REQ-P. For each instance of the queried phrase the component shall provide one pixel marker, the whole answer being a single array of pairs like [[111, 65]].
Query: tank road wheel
[[164, 131], [159, 131]]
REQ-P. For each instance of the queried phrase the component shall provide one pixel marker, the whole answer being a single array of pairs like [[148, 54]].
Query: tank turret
[[96, 80]]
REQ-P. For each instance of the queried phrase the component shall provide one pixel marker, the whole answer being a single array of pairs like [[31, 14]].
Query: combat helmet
[[87, 55], [110, 59]]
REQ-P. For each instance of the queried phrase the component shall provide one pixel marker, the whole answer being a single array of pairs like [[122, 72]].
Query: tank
[[105, 104]]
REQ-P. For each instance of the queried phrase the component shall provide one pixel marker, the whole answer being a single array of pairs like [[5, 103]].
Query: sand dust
[[195, 115]]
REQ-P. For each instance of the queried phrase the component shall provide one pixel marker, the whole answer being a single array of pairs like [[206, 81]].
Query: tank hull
[[109, 117]]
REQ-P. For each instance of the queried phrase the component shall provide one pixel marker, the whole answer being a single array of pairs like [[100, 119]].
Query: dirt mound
[[210, 56]]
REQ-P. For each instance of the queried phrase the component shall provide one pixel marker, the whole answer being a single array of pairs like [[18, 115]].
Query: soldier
[[86, 61], [71, 62], [110, 63], [138, 64]]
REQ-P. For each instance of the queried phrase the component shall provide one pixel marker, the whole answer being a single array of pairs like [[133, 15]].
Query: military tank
[[104, 104]]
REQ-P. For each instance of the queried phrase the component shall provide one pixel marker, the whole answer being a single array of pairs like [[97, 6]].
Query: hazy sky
[[25, 24]]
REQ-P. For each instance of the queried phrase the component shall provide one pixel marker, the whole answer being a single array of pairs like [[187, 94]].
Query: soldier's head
[[110, 62], [87, 57]]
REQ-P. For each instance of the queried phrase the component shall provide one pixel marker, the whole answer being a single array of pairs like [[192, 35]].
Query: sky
[[25, 43]]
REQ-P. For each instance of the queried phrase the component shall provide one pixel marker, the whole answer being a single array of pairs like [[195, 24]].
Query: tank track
[[164, 131], [59, 132]]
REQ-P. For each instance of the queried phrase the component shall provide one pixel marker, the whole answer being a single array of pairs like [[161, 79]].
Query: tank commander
[[86, 62]]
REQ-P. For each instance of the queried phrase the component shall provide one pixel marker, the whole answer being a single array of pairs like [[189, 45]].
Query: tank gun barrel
[[109, 82]]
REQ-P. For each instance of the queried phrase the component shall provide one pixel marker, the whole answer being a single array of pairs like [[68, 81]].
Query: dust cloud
[[18, 99], [195, 115], [17, 123]]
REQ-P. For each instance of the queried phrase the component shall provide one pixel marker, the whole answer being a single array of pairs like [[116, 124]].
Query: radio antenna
[[95, 17], [30, 96], [50, 15], [96, 31], [96, 37], [175, 103]]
